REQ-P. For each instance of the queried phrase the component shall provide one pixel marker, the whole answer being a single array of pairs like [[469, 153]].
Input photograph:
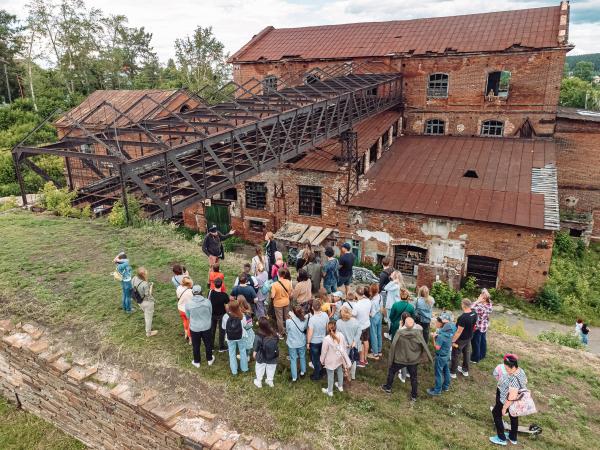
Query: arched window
[[269, 84], [435, 126], [437, 85], [492, 128]]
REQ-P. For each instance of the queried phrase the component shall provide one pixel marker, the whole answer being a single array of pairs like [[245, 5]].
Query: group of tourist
[[319, 313]]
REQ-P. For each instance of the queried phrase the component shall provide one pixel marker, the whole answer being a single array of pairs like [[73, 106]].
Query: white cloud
[[235, 21]]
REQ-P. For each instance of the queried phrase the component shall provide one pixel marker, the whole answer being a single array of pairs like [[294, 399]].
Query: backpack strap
[[182, 292], [283, 286], [136, 288]]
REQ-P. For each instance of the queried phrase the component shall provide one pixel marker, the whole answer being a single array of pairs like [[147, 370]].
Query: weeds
[[556, 337]]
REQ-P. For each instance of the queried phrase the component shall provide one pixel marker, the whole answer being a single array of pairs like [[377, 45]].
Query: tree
[[202, 59], [577, 93], [11, 44], [584, 70]]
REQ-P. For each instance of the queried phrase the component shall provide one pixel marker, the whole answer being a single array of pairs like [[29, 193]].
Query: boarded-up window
[[256, 225], [484, 270], [408, 257], [256, 195]]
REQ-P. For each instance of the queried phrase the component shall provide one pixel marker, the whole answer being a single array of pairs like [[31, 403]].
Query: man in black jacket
[[212, 246]]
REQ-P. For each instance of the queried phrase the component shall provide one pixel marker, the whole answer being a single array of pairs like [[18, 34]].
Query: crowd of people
[[339, 324]]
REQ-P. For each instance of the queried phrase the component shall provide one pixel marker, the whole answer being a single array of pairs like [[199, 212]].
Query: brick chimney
[[563, 27]]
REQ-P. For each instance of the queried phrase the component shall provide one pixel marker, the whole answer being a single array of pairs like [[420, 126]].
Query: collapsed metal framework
[[171, 159]]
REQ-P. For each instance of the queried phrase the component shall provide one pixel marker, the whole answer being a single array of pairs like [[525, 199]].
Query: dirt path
[[534, 327]]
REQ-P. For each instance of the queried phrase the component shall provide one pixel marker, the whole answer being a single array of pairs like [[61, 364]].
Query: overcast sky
[[235, 21]]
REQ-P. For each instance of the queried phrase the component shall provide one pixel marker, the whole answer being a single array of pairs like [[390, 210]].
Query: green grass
[[20, 430], [57, 271]]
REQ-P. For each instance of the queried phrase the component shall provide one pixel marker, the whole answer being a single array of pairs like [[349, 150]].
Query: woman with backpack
[[350, 329], [376, 321], [184, 295], [234, 331], [423, 310], [334, 358], [296, 327], [143, 296], [123, 274], [280, 294], [266, 352]]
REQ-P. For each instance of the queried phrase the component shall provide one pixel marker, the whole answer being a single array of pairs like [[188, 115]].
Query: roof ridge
[[257, 37]]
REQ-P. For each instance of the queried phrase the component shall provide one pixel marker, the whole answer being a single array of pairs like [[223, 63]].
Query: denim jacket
[[295, 330], [331, 272], [444, 340], [124, 269]]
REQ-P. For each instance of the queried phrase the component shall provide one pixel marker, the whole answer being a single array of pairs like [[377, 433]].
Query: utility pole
[[6, 77]]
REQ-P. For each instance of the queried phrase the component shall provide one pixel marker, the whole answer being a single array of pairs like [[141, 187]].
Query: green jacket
[[409, 347], [396, 314]]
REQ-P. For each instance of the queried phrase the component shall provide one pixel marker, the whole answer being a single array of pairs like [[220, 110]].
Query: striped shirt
[[517, 380]]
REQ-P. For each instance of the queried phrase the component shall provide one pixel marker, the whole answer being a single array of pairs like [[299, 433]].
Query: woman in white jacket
[[392, 294]]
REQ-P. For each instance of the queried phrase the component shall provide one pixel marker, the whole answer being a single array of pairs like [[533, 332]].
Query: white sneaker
[[341, 389], [196, 365], [407, 375], [326, 392], [310, 364], [401, 377], [257, 383], [210, 363], [387, 336], [453, 376], [270, 383], [464, 372]]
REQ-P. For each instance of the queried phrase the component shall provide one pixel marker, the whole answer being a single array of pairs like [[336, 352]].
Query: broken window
[[269, 84], [437, 86], [373, 152], [372, 91], [395, 129], [256, 195], [256, 225], [311, 78], [229, 194], [309, 200], [434, 126], [498, 84], [360, 165], [492, 128], [184, 108]]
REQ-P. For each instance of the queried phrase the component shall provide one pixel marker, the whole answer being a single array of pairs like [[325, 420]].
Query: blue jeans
[[375, 333], [330, 286], [315, 358], [126, 298], [295, 355], [233, 347], [479, 345], [584, 339], [441, 373]]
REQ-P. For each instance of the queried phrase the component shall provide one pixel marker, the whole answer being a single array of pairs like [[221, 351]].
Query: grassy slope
[[23, 431], [57, 271]]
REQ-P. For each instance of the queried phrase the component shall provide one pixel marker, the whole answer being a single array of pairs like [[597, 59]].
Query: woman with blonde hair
[[423, 310], [144, 292], [334, 358], [257, 259], [184, 295], [376, 318], [350, 329]]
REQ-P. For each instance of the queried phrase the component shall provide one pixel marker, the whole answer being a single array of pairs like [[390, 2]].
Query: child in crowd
[[213, 275], [249, 335], [266, 352], [442, 341], [179, 272]]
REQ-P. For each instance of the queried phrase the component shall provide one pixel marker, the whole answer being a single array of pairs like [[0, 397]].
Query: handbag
[[523, 405], [353, 354], [117, 275]]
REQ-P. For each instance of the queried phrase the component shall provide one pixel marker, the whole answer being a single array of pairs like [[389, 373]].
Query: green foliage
[[502, 326], [375, 268], [556, 337], [584, 70], [594, 58], [573, 92], [59, 200], [470, 289], [445, 297], [118, 217], [11, 203], [549, 299], [563, 244]]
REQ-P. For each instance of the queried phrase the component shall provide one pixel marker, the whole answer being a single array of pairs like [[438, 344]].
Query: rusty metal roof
[[564, 112], [496, 31], [122, 100], [425, 175], [324, 157]]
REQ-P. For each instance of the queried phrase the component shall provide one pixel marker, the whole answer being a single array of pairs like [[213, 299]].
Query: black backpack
[[270, 348], [233, 329], [136, 295]]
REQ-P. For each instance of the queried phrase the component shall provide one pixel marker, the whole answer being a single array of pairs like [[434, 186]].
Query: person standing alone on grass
[[144, 291], [218, 299], [280, 293], [330, 271], [423, 310], [317, 329], [408, 349], [184, 295], [483, 309], [266, 352], [346, 264], [334, 358], [123, 273], [296, 327], [212, 246], [442, 341], [462, 339], [199, 312]]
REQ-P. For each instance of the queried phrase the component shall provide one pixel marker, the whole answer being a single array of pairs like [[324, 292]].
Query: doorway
[[484, 270], [218, 214], [408, 257]]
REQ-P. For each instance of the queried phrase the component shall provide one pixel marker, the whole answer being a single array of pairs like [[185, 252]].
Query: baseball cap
[[346, 246], [338, 294], [197, 289], [446, 316], [212, 228]]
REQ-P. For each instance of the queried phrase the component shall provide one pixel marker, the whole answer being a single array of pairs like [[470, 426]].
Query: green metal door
[[218, 215]]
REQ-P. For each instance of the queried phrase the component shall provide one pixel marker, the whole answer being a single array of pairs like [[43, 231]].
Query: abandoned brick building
[[432, 141]]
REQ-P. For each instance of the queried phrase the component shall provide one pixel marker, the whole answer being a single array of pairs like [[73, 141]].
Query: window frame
[[435, 87], [267, 84], [429, 123], [310, 200], [486, 124], [501, 91], [252, 226], [250, 189]]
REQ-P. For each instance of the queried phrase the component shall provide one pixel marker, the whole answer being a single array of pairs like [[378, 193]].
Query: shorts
[[344, 281], [365, 335]]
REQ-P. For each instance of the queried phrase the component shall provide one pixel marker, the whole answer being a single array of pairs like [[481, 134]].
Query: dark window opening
[[296, 158], [355, 248], [484, 270], [395, 129], [184, 108], [498, 84], [372, 92], [256, 195], [360, 165], [373, 153], [408, 257], [229, 194], [437, 86], [575, 232], [386, 138], [269, 84], [492, 128], [311, 78], [256, 225], [435, 126], [309, 200], [470, 174]]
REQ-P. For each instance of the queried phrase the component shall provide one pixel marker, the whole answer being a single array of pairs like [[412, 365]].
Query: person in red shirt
[[213, 275]]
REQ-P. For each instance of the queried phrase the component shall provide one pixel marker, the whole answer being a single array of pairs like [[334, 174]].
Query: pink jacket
[[334, 355]]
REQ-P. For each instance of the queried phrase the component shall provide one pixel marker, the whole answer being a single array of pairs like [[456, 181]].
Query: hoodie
[[408, 347], [444, 340], [199, 311]]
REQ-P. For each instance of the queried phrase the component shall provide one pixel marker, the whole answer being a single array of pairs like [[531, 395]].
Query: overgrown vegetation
[[502, 326], [556, 337], [118, 216], [60, 201], [448, 298]]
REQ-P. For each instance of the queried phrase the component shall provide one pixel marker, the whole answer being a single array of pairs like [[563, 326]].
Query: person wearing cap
[[346, 263], [199, 312], [212, 246], [442, 341]]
